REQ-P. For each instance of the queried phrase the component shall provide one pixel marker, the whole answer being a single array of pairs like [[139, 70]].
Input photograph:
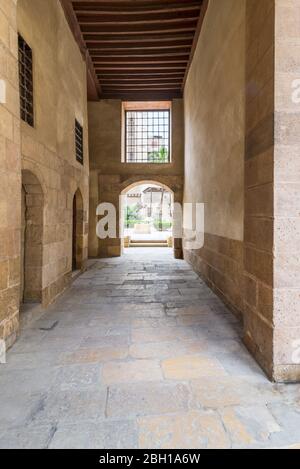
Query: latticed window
[[26, 82], [79, 142], [147, 136]]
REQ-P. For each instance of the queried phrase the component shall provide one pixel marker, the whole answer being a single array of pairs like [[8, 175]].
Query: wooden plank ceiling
[[138, 49]]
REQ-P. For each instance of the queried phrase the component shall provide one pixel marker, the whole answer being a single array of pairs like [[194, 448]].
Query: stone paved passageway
[[140, 353]]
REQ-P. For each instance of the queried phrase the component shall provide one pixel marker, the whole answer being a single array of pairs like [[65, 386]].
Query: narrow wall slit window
[[26, 81], [147, 136], [79, 142]]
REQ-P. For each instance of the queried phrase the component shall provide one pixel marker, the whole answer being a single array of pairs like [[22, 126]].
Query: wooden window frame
[[142, 110]]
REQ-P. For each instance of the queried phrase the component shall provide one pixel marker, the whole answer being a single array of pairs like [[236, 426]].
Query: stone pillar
[[272, 188], [178, 245], [93, 242], [259, 152], [109, 192], [10, 175], [286, 315]]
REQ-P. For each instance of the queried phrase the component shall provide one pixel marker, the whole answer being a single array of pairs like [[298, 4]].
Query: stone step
[[148, 244], [147, 241]]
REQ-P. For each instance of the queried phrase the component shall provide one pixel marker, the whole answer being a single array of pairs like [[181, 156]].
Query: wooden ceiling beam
[[155, 86], [120, 81], [144, 95], [139, 38], [139, 74], [139, 60], [118, 29], [133, 4], [140, 53], [141, 85], [137, 50], [151, 67], [93, 7], [137, 19], [142, 82], [133, 48]]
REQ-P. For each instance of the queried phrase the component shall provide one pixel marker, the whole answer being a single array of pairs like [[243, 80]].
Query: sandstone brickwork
[[286, 294], [250, 256], [39, 174], [110, 177], [48, 149], [214, 148], [259, 189], [10, 175]]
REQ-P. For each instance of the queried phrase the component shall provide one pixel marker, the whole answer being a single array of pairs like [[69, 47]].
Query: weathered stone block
[[4, 276]]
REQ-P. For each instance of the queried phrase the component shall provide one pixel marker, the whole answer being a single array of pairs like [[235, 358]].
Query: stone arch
[[77, 231], [32, 238], [30, 166], [138, 180], [174, 189]]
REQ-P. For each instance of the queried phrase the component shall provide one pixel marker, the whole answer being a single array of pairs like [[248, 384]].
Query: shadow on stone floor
[[140, 353]]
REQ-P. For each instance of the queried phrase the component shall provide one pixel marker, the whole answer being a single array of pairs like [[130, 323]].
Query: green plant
[[161, 156], [132, 216], [162, 225]]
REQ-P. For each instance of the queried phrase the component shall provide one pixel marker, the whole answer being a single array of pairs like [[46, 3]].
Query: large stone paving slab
[[191, 367], [96, 435], [200, 430], [137, 399], [140, 353], [131, 371]]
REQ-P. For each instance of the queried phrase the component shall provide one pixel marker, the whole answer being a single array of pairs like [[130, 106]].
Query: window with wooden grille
[[79, 142], [26, 81], [147, 136]]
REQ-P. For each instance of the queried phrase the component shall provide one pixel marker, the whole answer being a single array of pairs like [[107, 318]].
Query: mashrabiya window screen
[[26, 81], [79, 142], [147, 135]]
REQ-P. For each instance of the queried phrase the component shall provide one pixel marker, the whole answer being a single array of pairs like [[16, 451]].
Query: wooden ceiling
[[136, 49]]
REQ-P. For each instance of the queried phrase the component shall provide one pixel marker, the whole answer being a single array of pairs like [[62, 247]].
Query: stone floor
[[140, 353]]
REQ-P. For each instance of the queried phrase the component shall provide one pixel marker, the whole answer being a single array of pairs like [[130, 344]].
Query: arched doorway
[[77, 231], [146, 215], [32, 228]]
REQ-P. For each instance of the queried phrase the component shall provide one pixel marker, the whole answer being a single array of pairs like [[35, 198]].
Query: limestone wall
[[48, 149], [38, 165], [259, 176], [10, 176], [272, 321], [110, 176], [244, 86], [286, 277], [214, 146]]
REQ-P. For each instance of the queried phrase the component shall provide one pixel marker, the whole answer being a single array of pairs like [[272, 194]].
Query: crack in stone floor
[[139, 353]]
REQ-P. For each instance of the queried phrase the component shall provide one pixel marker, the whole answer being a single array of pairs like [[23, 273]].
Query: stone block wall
[[10, 175], [214, 148], [48, 149], [259, 181], [220, 263], [38, 167], [286, 277], [111, 187], [272, 229], [109, 176]]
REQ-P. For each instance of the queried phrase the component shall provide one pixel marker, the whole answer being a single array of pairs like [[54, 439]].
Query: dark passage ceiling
[[138, 49]]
